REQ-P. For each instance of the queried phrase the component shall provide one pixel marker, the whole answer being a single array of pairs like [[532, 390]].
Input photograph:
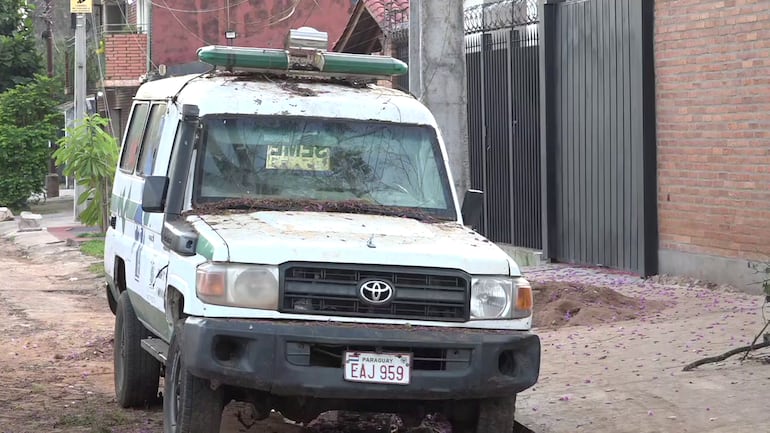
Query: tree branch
[[725, 355]]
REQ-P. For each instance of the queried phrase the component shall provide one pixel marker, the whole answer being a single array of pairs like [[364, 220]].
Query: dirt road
[[56, 347], [626, 377], [607, 374]]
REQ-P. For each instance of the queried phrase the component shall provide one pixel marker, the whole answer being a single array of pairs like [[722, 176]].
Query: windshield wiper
[[308, 205]]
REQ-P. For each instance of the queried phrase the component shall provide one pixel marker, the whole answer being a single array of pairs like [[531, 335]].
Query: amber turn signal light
[[524, 301], [210, 283]]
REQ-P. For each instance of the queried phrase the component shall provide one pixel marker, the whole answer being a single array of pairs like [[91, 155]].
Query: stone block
[[29, 221], [5, 214]]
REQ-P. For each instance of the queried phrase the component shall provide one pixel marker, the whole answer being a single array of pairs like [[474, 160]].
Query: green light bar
[[333, 64], [239, 57], [359, 64]]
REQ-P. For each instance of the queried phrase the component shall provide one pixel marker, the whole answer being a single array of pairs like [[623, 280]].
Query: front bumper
[[304, 358]]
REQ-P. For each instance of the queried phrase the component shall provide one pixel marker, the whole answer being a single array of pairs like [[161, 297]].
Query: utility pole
[[48, 36], [437, 76], [52, 179], [80, 91], [80, 69], [415, 48]]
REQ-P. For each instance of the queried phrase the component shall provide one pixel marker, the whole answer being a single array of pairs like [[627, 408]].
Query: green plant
[[90, 154], [93, 248], [96, 268], [19, 58], [29, 121], [91, 235], [95, 419]]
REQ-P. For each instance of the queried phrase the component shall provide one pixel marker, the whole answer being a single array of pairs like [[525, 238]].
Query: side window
[[134, 137], [151, 140]]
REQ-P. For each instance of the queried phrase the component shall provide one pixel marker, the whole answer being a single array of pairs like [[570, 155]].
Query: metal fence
[[503, 115], [502, 58], [595, 97], [500, 15]]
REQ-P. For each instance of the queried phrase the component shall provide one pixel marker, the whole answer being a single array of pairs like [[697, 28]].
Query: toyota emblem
[[376, 292]]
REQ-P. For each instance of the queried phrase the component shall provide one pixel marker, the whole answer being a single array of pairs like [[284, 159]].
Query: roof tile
[[388, 13]]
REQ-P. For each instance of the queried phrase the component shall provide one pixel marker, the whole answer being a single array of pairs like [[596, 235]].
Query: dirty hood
[[278, 237]]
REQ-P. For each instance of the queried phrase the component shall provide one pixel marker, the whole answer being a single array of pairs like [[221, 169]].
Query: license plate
[[391, 368]]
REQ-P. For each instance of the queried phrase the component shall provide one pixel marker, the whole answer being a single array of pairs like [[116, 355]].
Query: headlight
[[500, 298], [237, 285]]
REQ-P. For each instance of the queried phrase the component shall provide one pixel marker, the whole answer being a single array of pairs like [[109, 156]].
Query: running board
[[157, 348]]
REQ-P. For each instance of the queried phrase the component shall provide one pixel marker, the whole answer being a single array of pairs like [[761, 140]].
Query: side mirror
[[473, 204], [154, 194]]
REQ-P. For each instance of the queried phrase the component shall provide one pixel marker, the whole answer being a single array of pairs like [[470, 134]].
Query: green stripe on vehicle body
[[117, 203], [205, 248], [127, 208]]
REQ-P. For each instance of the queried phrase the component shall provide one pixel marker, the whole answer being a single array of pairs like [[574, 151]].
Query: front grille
[[423, 358], [425, 294]]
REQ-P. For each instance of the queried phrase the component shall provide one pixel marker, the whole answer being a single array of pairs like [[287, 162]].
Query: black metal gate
[[599, 133], [502, 59]]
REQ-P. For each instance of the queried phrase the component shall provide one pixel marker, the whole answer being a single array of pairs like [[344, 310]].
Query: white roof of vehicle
[[255, 94]]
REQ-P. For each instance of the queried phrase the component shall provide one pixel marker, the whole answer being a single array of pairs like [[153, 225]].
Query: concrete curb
[[40, 236], [524, 257]]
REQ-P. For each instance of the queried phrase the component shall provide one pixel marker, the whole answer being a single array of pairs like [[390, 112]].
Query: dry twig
[[722, 357]]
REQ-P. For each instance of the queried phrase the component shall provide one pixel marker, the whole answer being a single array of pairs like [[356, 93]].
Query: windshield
[[290, 163]]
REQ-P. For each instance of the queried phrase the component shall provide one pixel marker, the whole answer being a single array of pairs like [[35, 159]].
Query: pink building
[[143, 37]]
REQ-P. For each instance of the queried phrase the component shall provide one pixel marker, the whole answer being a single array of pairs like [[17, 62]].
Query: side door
[[126, 203], [151, 256]]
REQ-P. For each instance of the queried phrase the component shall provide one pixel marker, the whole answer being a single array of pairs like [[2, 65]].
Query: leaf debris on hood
[[248, 205]]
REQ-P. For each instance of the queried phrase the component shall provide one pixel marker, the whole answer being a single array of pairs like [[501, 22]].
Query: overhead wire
[[194, 34], [309, 14], [272, 20], [288, 12], [198, 11], [266, 22]]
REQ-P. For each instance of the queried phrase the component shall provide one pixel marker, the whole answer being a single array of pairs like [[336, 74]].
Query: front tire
[[137, 373], [496, 415], [189, 403], [111, 300]]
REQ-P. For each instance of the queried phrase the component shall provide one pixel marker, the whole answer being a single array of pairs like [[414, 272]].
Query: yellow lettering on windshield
[[297, 157]]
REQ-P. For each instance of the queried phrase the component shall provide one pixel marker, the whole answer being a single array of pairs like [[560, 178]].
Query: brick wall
[[713, 124], [125, 56], [131, 13], [263, 23]]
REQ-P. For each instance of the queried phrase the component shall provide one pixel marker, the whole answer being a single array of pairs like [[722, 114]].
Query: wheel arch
[[174, 305], [119, 274]]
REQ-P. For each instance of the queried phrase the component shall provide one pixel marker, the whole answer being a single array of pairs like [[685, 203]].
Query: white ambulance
[[286, 233]]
